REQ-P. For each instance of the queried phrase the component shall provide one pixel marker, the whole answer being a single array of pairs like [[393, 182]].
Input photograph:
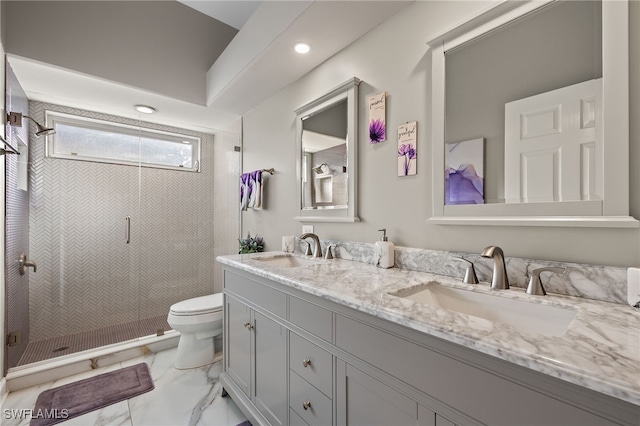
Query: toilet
[[198, 320]]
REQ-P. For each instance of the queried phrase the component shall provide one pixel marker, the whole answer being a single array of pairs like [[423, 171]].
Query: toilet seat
[[197, 306]]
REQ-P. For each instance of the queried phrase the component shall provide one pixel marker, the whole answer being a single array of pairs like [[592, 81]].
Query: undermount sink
[[288, 260], [526, 316]]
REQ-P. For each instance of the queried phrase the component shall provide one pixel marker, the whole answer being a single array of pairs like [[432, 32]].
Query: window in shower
[[81, 138]]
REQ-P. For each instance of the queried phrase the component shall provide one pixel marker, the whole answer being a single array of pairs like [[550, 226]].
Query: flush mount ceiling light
[[145, 109], [302, 48]]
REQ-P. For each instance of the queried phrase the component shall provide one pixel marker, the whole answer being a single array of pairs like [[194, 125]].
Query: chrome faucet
[[317, 250], [500, 280]]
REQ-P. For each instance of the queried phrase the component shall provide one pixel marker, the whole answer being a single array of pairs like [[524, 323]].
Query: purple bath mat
[[64, 402]]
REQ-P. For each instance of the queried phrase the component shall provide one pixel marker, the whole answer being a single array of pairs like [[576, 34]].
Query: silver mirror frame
[[349, 91], [613, 209]]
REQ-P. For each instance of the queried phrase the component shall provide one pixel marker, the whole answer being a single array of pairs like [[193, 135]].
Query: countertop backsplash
[[604, 283]]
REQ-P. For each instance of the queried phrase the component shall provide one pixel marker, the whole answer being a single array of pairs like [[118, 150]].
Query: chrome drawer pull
[[248, 325], [306, 405], [306, 362]]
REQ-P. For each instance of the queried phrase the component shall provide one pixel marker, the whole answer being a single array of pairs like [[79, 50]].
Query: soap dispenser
[[384, 251]]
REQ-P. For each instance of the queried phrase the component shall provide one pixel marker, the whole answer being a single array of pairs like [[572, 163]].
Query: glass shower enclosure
[[115, 244]]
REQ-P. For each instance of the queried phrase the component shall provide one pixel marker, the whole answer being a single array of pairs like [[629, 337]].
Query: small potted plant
[[251, 244]]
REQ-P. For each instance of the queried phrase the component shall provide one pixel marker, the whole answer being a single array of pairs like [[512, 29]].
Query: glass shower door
[[84, 293], [175, 236]]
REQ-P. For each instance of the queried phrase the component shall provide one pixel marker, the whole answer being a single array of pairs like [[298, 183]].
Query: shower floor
[[65, 345]]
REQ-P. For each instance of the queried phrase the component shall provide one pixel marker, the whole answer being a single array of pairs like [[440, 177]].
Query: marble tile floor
[[180, 397]]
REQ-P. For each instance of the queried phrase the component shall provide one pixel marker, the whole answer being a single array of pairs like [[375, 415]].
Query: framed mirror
[[327, 168], [507, 87]]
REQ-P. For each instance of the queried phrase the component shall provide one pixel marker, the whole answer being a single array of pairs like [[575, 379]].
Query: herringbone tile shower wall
[[88, 277]]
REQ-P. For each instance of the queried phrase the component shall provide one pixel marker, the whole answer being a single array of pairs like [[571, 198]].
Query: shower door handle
[[127, 230], [24, 264]]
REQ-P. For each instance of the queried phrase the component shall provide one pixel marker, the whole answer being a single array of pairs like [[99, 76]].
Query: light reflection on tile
[[180, 397]]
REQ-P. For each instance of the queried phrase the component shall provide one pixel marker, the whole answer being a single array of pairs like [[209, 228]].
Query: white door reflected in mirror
[[553, 147]]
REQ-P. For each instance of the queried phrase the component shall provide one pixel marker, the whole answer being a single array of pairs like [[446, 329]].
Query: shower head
[[318, 169], [44, 131], [15, 119]]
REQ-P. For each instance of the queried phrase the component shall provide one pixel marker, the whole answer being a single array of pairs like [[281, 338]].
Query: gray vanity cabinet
[[270, 390], [462, 385], [237, 347], [255, 349], [364, 400], [298, 359]]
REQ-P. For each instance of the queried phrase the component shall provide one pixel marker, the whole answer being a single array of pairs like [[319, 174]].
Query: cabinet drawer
[[312, 318], [318, 407], [266, 297], [319, 365]]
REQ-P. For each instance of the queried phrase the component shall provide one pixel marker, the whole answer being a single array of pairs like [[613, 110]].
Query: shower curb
[[45, 371]]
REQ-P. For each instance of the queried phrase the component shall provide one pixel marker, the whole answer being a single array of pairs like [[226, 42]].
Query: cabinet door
[[270, 387], [237, 357], [364, 400]]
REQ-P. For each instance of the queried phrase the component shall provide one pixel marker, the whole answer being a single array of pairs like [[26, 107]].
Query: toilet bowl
[[198, 320]]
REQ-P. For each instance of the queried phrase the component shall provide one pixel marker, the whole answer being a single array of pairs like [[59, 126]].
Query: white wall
[[395, 58]]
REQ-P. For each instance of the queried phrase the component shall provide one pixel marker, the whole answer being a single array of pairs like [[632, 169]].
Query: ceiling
[[258, 62], [234, 13]]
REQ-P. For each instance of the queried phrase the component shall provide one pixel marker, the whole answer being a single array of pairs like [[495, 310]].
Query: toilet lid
[[198, 305]]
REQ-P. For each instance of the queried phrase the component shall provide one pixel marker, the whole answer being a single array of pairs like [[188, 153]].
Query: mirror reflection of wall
[[325, 177], [556, 46]]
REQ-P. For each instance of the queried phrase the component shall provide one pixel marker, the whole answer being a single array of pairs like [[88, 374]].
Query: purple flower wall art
[[407, 151], [464, 172], [377, 118], [377, 131]]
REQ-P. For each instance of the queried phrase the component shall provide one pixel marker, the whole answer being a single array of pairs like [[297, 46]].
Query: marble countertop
[[600, 349]]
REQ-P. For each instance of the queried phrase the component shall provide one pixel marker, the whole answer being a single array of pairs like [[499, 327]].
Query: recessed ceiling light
[[145, 109], [302, 48]]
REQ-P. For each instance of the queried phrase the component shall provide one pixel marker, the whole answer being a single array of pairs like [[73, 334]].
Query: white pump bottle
[[384, 251]]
